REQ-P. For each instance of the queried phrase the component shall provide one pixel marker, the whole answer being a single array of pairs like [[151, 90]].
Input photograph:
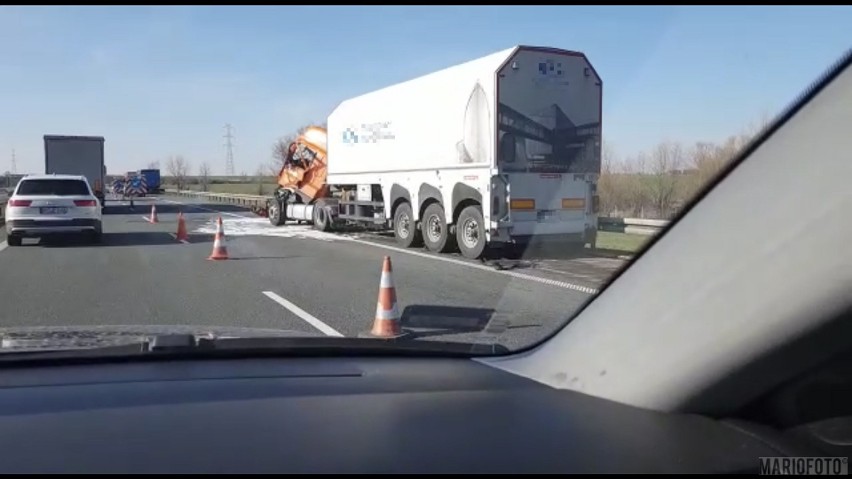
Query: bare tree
[[608, 184], [633, 185], [204, 175], [655, 185], [154, 165], [281, 146], [178, 169], [261, 176], [666, 158]]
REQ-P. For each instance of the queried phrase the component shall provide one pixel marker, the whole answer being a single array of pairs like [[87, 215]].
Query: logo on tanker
[[550, 68], [550, 71], [368, 133]]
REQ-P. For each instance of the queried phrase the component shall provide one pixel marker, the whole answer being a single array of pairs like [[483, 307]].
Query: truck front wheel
[[275, 215], [404, 227], [470, 232]]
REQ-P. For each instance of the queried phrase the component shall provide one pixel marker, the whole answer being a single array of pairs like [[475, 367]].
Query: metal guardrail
[[633, 226], [239, 199], [4, 198]]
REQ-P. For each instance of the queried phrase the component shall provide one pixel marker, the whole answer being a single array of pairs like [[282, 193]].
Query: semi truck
[[500, 151], [77, 155]]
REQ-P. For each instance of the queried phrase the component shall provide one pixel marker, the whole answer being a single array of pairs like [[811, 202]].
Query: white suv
[[49, 204]]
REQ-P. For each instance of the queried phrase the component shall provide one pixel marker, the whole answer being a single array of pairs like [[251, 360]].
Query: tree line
[[650, 184], [657, 183]]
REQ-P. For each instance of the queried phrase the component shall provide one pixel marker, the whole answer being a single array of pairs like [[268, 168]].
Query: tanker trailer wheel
[[404, 228], [470, 232], [274, 208], [436, 233]]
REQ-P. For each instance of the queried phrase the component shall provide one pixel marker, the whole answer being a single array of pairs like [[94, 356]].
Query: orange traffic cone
[[154, 214], [388, 323], [181, 232], [219, 250]]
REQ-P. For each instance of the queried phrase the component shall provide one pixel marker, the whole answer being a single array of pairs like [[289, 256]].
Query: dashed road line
[[514, 274], [326, 329]]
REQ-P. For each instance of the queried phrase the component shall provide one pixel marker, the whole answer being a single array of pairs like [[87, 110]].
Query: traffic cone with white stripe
[[219, 249], [388, 323], [153, 218], [181, 235]]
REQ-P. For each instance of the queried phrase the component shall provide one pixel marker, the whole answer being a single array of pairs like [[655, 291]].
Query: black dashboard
[[341, 415]]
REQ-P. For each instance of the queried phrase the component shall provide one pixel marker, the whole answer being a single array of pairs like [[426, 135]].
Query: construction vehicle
[[134, 184], [498, 151]]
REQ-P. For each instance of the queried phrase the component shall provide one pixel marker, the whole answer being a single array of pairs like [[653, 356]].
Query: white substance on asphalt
[[242, 226]]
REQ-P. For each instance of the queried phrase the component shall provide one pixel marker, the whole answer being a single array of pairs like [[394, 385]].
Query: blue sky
[[163, 81]]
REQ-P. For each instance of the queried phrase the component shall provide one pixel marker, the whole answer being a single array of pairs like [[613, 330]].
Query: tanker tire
[[435, 231], [404, 228], [470, 232]]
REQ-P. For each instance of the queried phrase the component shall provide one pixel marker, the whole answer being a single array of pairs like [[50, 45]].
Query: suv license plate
[[53, 211]]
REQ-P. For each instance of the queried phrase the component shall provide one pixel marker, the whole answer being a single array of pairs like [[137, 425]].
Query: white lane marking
[[202, 208], [3, 245], [148, 219], [174, 236], [326, 329], [514, 274], [251, 226]]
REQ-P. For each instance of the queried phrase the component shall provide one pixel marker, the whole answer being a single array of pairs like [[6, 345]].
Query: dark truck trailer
[[152, 180], [77, 155]]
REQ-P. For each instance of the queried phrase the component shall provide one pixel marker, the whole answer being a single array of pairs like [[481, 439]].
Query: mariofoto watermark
[[819, 466]]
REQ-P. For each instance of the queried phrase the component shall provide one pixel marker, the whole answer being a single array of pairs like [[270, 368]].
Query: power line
[[229, 153]]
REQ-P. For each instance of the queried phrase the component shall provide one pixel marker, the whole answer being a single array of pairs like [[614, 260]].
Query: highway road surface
[[289, 277]]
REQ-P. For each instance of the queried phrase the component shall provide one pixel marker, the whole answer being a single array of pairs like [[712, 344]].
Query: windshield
[[431, 175], [53, 187]]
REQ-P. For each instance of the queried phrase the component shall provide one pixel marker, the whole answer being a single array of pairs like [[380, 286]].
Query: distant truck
[[499, 151], [134, 184], [77, 155], [152, 180]]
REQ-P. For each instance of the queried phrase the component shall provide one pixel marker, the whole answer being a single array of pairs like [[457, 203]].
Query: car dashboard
[[341, 415]]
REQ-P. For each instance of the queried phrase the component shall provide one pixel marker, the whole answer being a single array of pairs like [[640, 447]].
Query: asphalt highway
[[289, 277]]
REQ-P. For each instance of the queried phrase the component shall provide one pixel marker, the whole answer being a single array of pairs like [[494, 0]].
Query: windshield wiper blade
[[173, 346]]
